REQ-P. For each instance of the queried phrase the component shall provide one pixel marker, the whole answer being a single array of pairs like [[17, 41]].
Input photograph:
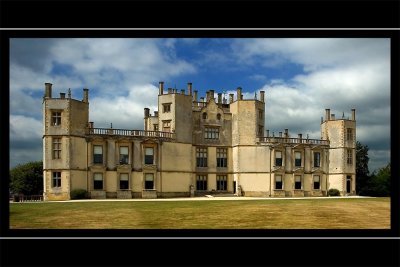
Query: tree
[[362, 171], [27, 178], [379, 184]]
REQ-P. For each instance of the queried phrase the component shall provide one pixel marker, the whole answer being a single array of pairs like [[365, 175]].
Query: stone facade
[[216, 145]]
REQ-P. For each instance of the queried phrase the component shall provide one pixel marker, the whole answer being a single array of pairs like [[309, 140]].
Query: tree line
[[27, 178]]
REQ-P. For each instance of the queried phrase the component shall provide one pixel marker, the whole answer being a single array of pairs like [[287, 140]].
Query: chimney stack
[[160, 88], [219, 98], [170, 91], [332, 117], [239, 93], [262, 96], [85, 95], [190, 88], [201, 99], [230, 98], [195, 95], [300, 136], [62, 95], [207, 96], [47, 90], [286, 133], [353, 114], [90, 124], [146, 112], [212, 94], [155, 113], [327, 114], [183, 91], [267, 133], [280, 134]]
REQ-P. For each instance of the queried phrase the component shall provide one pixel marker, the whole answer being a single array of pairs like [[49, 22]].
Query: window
[[222, 184], [123, 181], [97, 154], [278, 182], [297, 159], [149, 181], [297, 182], [204, 116], [222, 157], [155, 127], [317, 159], [149, 155], [349, 134], [123, 155], [56, 148], [56, 118], [201, 157], [56, 179], [201, 182], [211, 133], [260, 130], [98, 181], [166, 126], [349, 156], [167, 107], [218, 116], [316, 182], [278, 158]]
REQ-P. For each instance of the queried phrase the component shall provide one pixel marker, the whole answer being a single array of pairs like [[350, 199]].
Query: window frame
[[349, 157], [121, 182], [56, 118], [277, 159], [317, 182], [201, 182], [56, 179], [317, 158], [57, 141], [296, 160], [349, 134], [222, 182], [211, 133], [276, 182], [95, 159], [166, 125], [123, 158], [296, 183], [166, 107], [222, 157], [146, 157], [201, 157], [149, 182], [96, 181]]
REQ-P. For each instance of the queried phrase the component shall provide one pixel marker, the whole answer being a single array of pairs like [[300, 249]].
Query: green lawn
[[368, 213]]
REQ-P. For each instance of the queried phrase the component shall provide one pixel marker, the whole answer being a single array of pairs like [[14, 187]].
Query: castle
[[192, 148]]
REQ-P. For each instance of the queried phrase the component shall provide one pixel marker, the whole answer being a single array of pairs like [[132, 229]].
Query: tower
[[342, 151], [65, 122]]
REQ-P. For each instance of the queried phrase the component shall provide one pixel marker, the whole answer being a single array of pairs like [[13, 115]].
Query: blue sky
[[301, 77]]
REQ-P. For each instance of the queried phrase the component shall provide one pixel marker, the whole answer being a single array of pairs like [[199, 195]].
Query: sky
[[301, 77]]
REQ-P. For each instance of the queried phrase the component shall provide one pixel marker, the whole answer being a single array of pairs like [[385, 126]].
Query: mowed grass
[[355, 213]]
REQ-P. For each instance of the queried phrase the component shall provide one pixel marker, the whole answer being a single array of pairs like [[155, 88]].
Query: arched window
[[218, 116], [204, 115]]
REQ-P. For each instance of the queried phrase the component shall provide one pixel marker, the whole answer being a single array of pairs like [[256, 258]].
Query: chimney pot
[[190, 88], [85, 95], [327, 114], [47, 92], [239, 93], [146, 112], [230, 98], [161, 88], [353, 114], [262, 96]]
